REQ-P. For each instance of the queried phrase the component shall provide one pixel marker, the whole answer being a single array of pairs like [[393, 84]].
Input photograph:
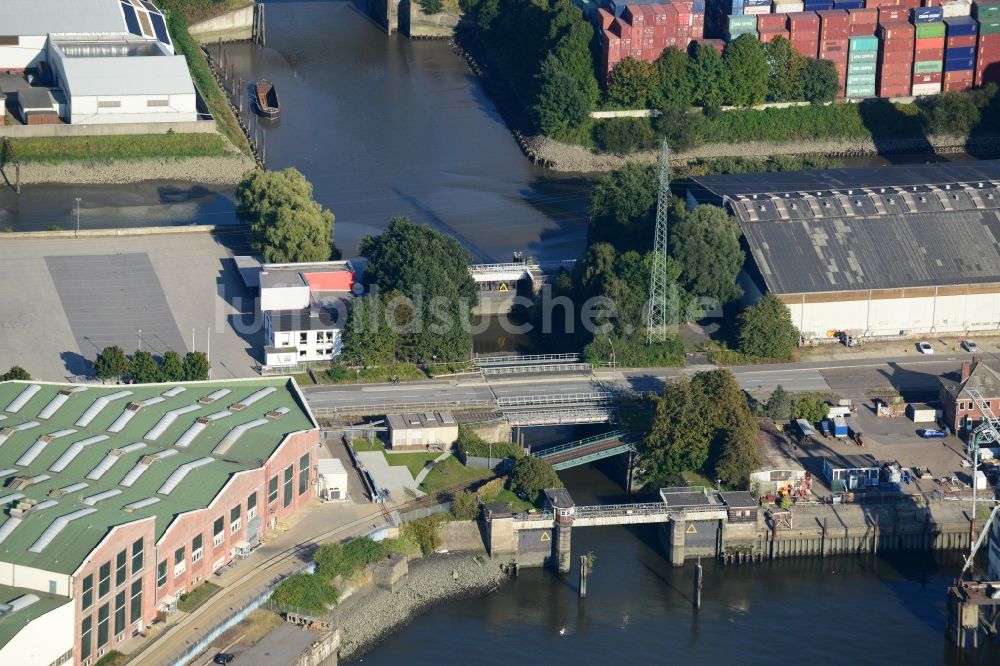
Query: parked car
[[970, 346], [223, 658], [931, 433], [925, 348]]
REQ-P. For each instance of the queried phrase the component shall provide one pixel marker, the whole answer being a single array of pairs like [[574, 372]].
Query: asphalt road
[[851, 378]]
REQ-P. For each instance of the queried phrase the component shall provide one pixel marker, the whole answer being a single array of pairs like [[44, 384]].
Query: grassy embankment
[[101, 148]]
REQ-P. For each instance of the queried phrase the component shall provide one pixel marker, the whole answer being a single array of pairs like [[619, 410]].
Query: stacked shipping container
[[959, 53], [862, 63], [835, 28], [644, 30], [928, 50], [895, 58], [770, 26], [803, 32], [988, 50]]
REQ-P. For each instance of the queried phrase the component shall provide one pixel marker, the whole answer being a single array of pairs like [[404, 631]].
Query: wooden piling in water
[[583, 576], [696, 598]]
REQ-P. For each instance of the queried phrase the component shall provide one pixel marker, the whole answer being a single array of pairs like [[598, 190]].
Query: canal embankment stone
[[221, 170]]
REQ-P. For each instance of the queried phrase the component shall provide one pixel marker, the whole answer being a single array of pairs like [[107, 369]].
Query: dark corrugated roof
[[894, 227], [303, 320]]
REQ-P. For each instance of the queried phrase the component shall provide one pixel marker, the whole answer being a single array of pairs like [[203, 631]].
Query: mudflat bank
[[373, 613]]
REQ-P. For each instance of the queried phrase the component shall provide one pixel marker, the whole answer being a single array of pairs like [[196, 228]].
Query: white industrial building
[[422, 431], [332, 479], [895, 251], [303, 307], [104, 61]]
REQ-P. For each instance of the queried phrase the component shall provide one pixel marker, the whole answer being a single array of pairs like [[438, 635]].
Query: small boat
[[266, 99]]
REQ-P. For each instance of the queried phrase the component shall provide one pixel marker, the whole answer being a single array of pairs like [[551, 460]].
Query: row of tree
[[142, 367], [746, 74], [543, 50]]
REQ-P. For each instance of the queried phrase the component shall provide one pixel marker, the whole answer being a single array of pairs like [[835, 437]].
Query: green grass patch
[[414, 462], [450, 473], [113, 658], [372, 375], [52, 149], [361, 444], [196, 597], [201, 73], [516, 503]]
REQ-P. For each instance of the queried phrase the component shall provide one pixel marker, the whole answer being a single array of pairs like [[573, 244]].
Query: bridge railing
[[535, 367], [595, 439], [620, 510], [591, 398], [560, 417], [538, 515], [397, 407], [483, 360]]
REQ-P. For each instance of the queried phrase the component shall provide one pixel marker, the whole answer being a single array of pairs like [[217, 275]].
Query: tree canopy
[[288, 225], [745, 81], [171, 367], [16, 372], [369, 338], [196, 366], [779, 405], [766, 329], [561, 104], [706, 244], [531, 476], [142, 368], [699, 424], [820, 81], [430, 270], [111, 363]]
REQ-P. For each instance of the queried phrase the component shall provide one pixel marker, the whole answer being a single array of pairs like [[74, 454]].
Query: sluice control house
[[872, 252], [116, 500], [95, 62]]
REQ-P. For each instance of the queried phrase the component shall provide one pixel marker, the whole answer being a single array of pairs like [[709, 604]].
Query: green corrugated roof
[[12, 623], [67, 550]]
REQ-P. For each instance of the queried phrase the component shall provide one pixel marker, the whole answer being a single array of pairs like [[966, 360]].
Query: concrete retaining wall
[[122, 129], [500, 465], [126, 231], [440, 25], [233, 26]]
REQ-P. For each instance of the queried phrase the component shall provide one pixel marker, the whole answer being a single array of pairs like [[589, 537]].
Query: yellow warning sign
[[691, 529], [503, 286], [546, 537]]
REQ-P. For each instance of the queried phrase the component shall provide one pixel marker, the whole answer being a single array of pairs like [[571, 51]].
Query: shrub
[[624, 135], [425, 533], [810, 408], [431, 7], [308, 592], [471, 444], [952, 113], [531, 476], [682, 128], [334, 559], [464, 506]]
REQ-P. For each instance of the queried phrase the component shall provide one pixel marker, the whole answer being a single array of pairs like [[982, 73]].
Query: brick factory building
[[118, 499]]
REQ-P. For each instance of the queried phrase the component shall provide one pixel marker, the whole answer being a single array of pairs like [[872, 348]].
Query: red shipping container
[[803, 19], [660, 14], [834, 17], [767, 35], [927, 78], [928, 54], [923, 43], [605, 18], [808, 49], [863, 16], [957, 86], [887, 14], [633, 15], [863, 29], [770, 22], [889, 70], [960, 75], [635, 53], [896, 29], [958, 42]]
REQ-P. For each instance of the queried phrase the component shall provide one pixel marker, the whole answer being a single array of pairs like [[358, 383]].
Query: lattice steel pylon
[[656, 308]]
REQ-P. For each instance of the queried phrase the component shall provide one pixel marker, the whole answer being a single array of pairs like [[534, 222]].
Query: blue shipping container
[[839, 426], [959, 64], [960, 53], [818, 6], [756, 3], [961, 26], [848, 4], [698, 7], [927, 14]]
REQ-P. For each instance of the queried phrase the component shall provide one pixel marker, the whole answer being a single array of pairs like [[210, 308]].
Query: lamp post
[[140, 339], [77, 217], [614, 362]]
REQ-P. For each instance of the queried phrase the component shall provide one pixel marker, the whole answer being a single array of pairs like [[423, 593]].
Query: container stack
[[863, 22], [848, 4], [988, 50], [959, 53], [817, 5], [733, 7], [643, 30], [956, 8], [862, 63], [895, 58], [803, 31], [772, 25], [740, 25], [834, 30], [756, 7], [928, 50]]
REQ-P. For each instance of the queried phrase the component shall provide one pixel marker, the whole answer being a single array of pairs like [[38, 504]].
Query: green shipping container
[[854, 80], [862, 56], [989, 27], [860, 68], [928, 67], [863, 43], [925, 30], [741, 23], [861, 91], [986, 10]]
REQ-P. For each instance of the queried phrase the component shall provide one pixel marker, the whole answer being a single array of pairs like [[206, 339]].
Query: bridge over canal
[[587, 450]]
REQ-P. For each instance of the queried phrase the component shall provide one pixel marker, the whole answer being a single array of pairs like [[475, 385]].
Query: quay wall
[[108, 129], [229, 27]]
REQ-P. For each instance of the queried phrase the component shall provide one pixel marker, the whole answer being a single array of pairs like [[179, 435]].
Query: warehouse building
[[100, 61], [117, 500], [881, 252]]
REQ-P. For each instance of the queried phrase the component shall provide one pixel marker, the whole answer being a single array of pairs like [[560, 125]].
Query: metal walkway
[[577, 416], [501, 360], [587, 450]]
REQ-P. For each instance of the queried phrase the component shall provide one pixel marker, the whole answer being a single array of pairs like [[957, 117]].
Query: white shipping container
[[926, 89], [786, 7], [952, 9], [980, 480], [756, 11]]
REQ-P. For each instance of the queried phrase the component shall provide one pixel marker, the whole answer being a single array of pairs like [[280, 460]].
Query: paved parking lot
[[63, 299]]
